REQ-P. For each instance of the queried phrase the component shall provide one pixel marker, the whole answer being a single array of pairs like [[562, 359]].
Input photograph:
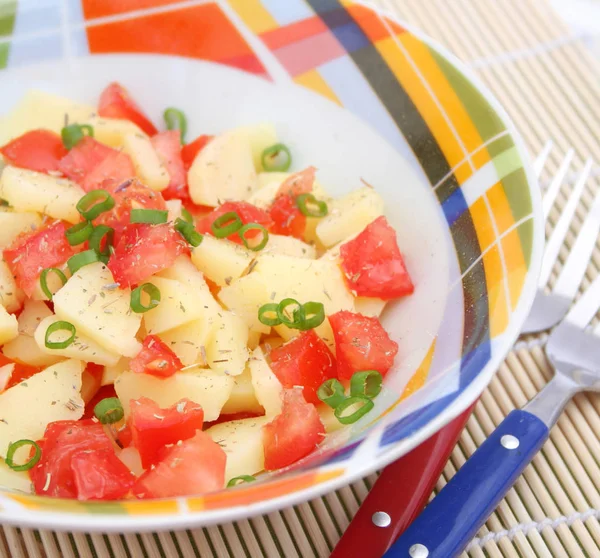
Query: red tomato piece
[[155, 358], [293, 434], [195, 466], [298, 183], [53, 474], [84, 158], [153, 428], [168, 147], [100, 475], [110, 173], [190, 150], [116, 102], [38, 150], [304, 361], [144, 250], [373, 265], [247, 212], [30, 254], [361, 343], [287, 218], [20, 372]]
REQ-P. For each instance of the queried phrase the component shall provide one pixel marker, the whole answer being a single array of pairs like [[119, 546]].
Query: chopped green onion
[[98, 234], [252, 227], [188, 232], [366, 383], [44, 280], [109, 410], [10, 453], [94, 203], [276, 158], [265, 310], [4, 203], [331, 392], [311, 206], [136, 298], [240, 480], [297, 314], [226, 224], [186, 215], [150, 216], [175, 120], [314, 315], [73, 133], [76, 262], [362, 405], [79, 233], [60, 326]]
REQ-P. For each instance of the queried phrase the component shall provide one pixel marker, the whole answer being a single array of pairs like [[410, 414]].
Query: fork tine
[[587, 306], [562, 225], [552, 191], [574, 269], [540, 160]]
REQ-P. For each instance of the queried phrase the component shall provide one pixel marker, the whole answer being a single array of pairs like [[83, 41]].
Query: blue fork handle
[[455, 515]]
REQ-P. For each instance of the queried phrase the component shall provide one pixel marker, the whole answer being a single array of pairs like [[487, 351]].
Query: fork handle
[[455, 515]]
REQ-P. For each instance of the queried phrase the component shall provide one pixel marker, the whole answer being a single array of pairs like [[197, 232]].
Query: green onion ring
[[187, 230], [60, 326], [271, 155], [10, 453], [242, 479], [76, 262], [149, 216], [186, 215], [136, 298], [265, 309], [251, 227], [44, 280], [366, 405], [316, 311], [79, 233], [109, 410], [302, 202], [72, 134], [94, 203], [366, 383], [331, 392], [226, 224], [298, 313], [98, 234], [175, 120]]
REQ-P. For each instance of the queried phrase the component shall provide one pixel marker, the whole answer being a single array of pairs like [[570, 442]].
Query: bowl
[[363, 98]]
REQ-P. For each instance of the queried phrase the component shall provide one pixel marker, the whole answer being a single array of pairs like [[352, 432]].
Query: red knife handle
[[401, 491]]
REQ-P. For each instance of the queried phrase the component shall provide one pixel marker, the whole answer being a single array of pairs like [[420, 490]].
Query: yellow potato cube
[[267, 387], [112, 131], [146, 161], [11, 297], [12, 224], [112, 372], [242, 398], [226, 349], [289, 246], [9, 328], [221, 261]]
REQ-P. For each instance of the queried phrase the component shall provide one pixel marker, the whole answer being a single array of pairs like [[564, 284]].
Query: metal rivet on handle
[[381, 519], [418, 551], [509, 441]]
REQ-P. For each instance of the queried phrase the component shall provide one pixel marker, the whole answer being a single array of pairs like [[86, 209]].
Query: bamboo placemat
[[550, 84]]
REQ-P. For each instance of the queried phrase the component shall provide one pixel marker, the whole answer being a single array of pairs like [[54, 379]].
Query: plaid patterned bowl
[[358, 95]]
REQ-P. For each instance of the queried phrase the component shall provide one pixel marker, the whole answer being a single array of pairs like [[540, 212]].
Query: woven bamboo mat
[[550, 84]]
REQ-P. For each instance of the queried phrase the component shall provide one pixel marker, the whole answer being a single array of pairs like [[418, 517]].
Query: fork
[[455, 515]]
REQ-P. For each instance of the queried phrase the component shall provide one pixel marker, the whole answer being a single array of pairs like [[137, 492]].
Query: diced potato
[[324, 331], [112, 131], [221, 261], [268, 186], [24, 348], [11, 297], [272, 342], [130, 456], [174, 208], [226, 350], [146, 161], [369, 306], [53, 282], [14, 480], [27, 408], [188, 341], [179, 304], [28, 190], [267, 387], [208, 388], [304, 280], [244, 297], [6, 372], [242, 441], [98, 309], [9, 328], [289, 246], [223, 170], [184, 271], [112, 372], [38, 109], [349, 215], [13, 224], [260, 137], [82, 347], [253, 339], [329, 420], [242, 398]]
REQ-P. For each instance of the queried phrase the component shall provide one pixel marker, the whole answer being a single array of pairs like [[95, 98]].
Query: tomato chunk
[[38, 150], [298, 183], [190, 150], [247, 212], [287, 218], [144, 250], [83, 158], [168, 147], [100, 475], [304, 361], [195, 466], [293, 434], [153, 428], [156, 359], [373, 265], [30, 254], [116, 102], [110, 173], [361, 343]]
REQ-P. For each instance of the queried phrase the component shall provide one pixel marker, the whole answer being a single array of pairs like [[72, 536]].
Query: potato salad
[[177, 316]]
